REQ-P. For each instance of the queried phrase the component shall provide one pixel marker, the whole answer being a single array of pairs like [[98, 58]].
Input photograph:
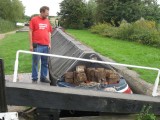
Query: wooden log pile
[[99, 75]]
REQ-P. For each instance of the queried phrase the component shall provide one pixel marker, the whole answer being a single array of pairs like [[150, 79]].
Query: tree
[[5, 8], [151, 10], [90, 17], [11, 10], [17, 10], [72, 13], [114, 11]]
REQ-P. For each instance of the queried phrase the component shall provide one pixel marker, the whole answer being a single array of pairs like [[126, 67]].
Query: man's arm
[[30, 39], [49, 40]]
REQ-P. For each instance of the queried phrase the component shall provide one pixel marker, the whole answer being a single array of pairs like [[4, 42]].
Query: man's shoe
[[34, 81], [45, 80]]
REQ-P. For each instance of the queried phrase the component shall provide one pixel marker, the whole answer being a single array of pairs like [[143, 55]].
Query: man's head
[[44, 12]]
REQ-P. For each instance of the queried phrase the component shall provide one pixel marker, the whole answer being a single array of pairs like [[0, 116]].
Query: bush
[[110, 32], [76, 26], [145, 32], [141, 31], [68, 25], [145, 115], [124, 31], [99, 28], [6, 26], [104, 29]]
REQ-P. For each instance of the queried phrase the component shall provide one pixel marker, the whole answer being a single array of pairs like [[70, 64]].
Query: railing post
[[3, 105]]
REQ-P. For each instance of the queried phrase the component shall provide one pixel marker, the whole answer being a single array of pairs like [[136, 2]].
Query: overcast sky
[[32, 6]]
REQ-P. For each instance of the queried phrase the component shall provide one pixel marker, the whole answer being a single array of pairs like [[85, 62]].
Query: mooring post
[[3, 105]]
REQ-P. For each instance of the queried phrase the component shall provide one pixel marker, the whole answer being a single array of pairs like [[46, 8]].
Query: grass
[[122, 52], [9, 46]]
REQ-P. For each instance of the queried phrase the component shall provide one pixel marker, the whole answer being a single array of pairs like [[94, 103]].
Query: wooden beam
[[42, 96], [3, 105]]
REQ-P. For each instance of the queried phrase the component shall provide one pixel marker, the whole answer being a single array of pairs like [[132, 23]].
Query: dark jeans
[[44, 62]]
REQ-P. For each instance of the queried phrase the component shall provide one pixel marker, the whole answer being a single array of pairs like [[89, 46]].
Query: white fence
[[155, 88]]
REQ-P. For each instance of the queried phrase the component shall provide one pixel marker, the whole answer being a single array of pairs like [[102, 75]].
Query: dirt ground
[[4, 34]]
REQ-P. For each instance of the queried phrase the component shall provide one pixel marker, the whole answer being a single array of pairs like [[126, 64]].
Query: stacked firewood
[[99, 75]]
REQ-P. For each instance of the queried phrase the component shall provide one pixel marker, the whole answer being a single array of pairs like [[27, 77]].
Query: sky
[[33, 6]]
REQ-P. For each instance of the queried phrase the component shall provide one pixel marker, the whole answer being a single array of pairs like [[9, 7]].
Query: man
[[57, 22], [40, 41]]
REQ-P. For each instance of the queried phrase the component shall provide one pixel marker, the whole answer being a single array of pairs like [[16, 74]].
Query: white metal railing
[[155, 88], [9, 116]]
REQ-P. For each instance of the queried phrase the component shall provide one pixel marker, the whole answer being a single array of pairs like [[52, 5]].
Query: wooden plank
[[107, 117], [42, 96], [3, 105]]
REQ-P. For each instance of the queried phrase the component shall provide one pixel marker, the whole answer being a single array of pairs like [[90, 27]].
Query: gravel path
[[24, 29]]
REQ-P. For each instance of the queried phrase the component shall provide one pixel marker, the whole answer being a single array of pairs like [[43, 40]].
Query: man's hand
[[31, 48], [49, 46]]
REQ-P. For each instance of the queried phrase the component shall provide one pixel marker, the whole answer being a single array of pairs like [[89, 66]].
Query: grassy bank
[[8, 47], [122, 52], [6, 26]]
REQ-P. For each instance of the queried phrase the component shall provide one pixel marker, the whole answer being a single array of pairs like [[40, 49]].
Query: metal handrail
[[154, 92]]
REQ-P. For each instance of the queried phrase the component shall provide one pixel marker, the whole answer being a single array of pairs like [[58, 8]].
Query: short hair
[[44, 8]]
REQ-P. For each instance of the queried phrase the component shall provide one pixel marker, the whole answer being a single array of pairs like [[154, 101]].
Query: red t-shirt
[[40, 30]]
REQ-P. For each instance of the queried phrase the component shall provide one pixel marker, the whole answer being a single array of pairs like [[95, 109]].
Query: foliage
[[145, 115], [11, 10], [141, 31], [72, 13], [90, 17], [151, 10], [76, 14], [117, 10], [145, 32], [130, 10], [27, 18], [104, 29], [99, 28], [6, 26], [124, 31]]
